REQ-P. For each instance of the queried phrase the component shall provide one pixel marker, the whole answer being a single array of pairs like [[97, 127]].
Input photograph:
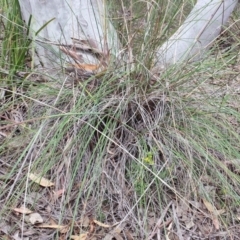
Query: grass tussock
[[148, 157]]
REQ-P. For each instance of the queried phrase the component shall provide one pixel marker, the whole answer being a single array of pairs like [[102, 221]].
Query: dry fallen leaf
[[85, 221], [101, 224], [214, 213], [212, 209], [86, 67], [190, 224], [61, 228], [55, 226], [82, 236], [22, 210], [216, 222], [209, 206], [35, 218], [40, 180]]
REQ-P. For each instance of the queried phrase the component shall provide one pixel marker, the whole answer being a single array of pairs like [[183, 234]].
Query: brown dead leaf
[[82, 236], [214, 213], [190, 224], [54, 226], [61, 228], [209, 206], [86, 67], [35, 218], [22, 210], [215, 222], [212, 209], [85, 221], [40, 180], [101, 224]]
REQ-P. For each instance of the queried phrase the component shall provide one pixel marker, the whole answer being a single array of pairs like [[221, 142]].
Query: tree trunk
[[196, 34], [81, 33], [78, 27]]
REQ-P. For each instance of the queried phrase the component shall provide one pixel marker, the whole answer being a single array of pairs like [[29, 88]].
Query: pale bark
[[196, 34], [79, 19], [86, 20]]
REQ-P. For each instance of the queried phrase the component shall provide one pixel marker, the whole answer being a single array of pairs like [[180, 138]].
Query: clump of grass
[[128, 147], [15, 44]]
